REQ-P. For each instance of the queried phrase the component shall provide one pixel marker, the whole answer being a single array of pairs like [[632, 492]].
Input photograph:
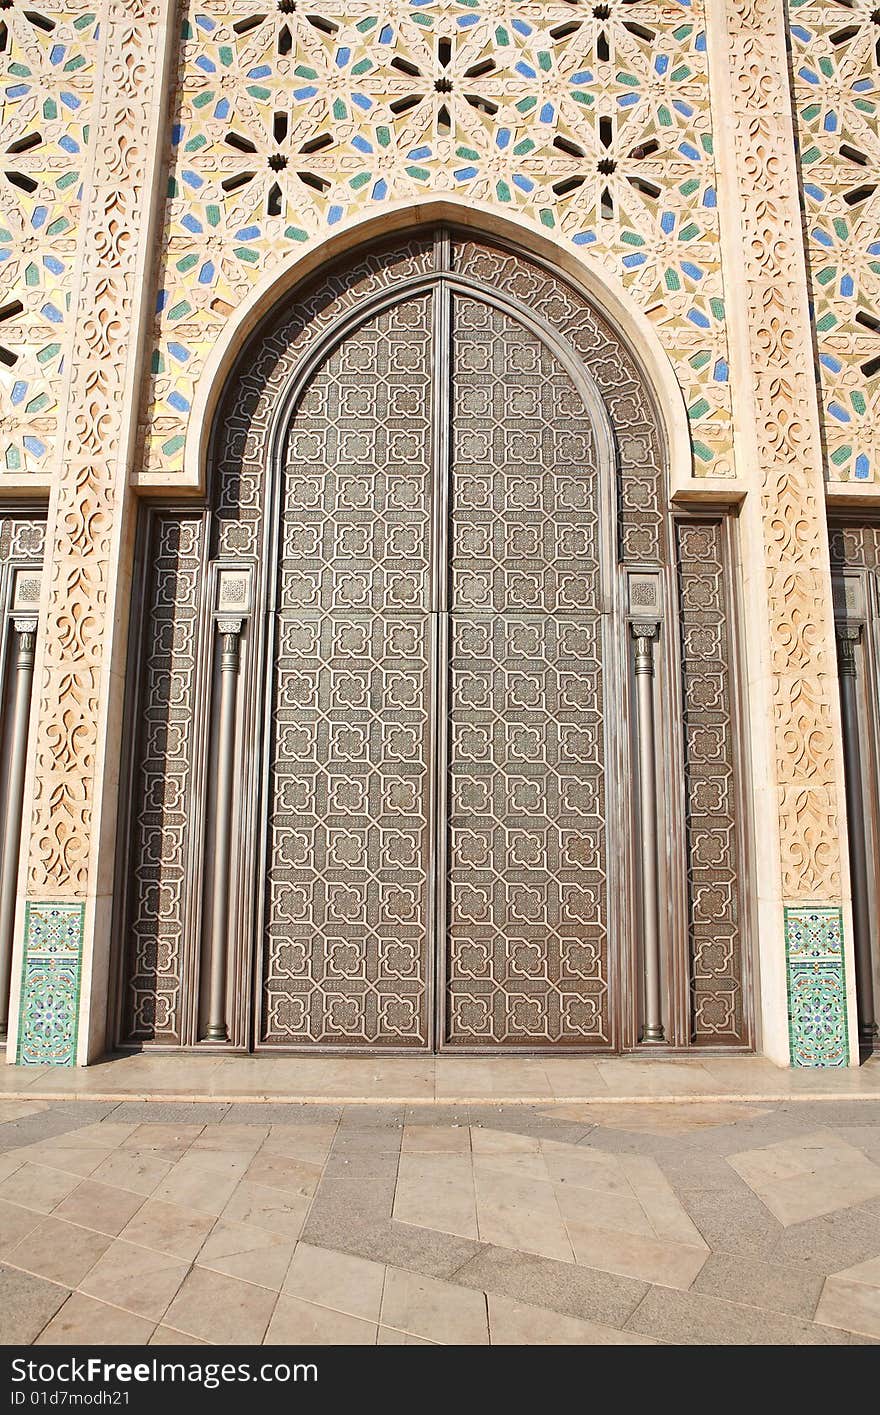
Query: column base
[[217, 1034]]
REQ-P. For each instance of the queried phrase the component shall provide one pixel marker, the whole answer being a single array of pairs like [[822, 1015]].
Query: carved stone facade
[[175, 174]]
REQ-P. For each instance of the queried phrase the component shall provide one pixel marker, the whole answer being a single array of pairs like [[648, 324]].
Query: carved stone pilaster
[[80, 656]]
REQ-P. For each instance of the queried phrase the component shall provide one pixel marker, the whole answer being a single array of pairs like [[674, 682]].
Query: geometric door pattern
[[437, 741]]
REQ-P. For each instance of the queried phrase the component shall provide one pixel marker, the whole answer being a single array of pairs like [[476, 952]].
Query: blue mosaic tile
[[817, 1020], [50, 985]]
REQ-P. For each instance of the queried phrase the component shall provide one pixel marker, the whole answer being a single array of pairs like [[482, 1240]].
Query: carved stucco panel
[[805, 708], [89, 501]]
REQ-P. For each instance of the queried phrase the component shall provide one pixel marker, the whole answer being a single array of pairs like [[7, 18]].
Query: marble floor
[[708, 1221], [449, 1079]]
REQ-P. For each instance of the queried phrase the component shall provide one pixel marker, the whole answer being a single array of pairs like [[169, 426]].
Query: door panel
[[346, 956], [527, 956]]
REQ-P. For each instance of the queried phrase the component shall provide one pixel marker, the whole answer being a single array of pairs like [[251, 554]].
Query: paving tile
[[268, 1208], [298, 1323], [389, 1337], [247, 1252], [436, 1190], [760, 1284], [632, 1255], [17, 1110], [438, 1311], [168, 1228], [35, 1186], [138, 1279], [310, 1143], [166, 1336], [217, 1138], [362, 1164], [139, 1170], [173, 1113], [851, 1299], [695, 1319], [366, 1235], [83, 1321], [337, 1280], [804, 1178], [221, 1309], [733, 1220], [27, 1303], [81, 1160], [659, 1118], [100, 1206], [272, 1113], [196, 1182], [658, 1200], [293, 1176], [169, 1141], [15, 1224], [513, 1323], [61, 1251], [561, 1287], [436, 1139], [830, 1243]]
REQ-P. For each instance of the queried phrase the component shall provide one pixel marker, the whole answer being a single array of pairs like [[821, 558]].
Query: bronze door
[[436, 845]]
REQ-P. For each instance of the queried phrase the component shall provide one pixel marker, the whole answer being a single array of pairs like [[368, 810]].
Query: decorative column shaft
[[644, 636], [230, 633], [801, 885], [22, 658], [847, 638], [71, 786]]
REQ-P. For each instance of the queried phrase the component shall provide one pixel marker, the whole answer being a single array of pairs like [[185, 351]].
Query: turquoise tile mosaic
[[50, 985], [817, 1020]]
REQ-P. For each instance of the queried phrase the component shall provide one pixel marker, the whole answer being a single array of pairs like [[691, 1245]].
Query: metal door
[[435, 855]]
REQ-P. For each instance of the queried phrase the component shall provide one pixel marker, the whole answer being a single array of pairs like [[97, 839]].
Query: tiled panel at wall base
[[817, 1024], [50, 989]]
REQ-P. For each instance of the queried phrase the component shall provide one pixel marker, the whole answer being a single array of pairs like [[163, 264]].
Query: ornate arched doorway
[[401, 679]]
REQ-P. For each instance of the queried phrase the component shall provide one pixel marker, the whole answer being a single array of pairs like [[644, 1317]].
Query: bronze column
[[847, 638], [644, 635], [24, 631], [230, 632]]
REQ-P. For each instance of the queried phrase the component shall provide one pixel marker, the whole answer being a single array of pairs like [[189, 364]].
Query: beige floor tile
[[84, 1322], [168, 1228], [138, 1279], [17, 1110], [80, 1160], [437, 1191], [513, 1323], [11, 1162], [281, 1172], [526, 1230], [221, 1309], [495, 1079], [139, 1170], [241, 1138], [166, 1336], [658, 1118], [789, 1159], [389, 1337], [656, 1078], [244, 1251], [436, 1139], [574, 1076], [502, 1142], [338, 1280], [168, 1141], [621, 1213], [100, 1206], [310, 1143], [35, 1186], [15, 1223], [61, 1251], [659, 1201], [195, 1184], [633, 1255], [522, 1166], [851, 1299], [438, 1311], [104, 1134], [585, 1166], [268, 1208], [298, 1323]]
